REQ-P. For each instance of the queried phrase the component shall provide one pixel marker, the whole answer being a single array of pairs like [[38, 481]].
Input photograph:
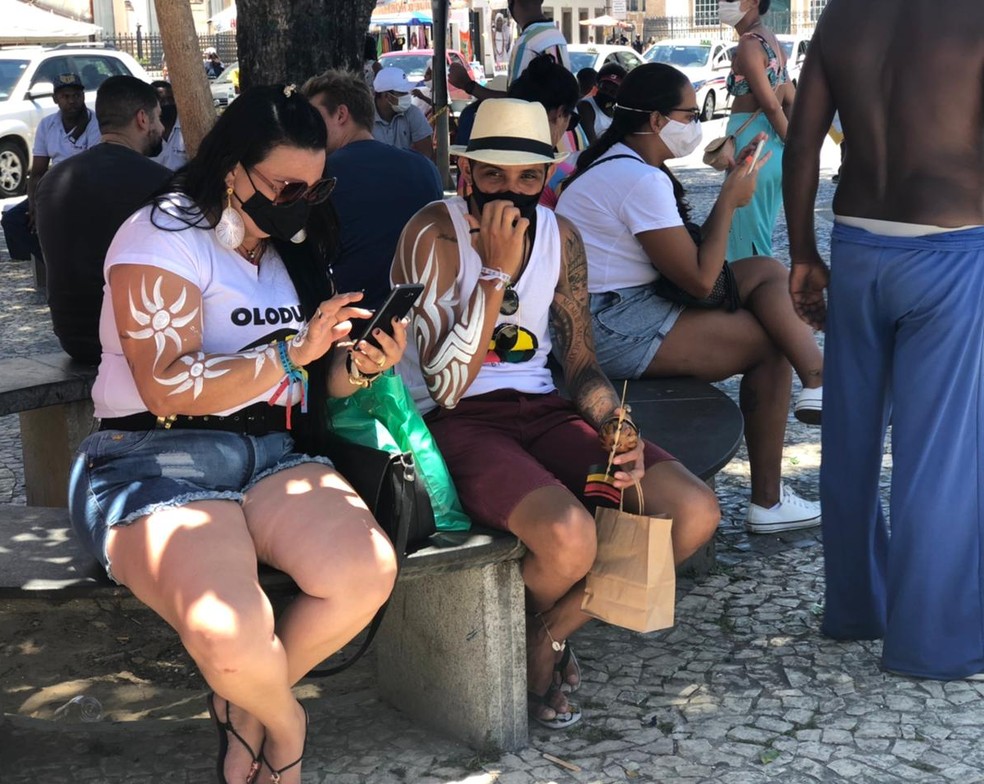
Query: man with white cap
[[505, 284], [398, 122]]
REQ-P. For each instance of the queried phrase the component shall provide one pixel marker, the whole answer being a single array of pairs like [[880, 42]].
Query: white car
[[707, 64], [225, 87], [795, 47], [27, 75], [597, 55]]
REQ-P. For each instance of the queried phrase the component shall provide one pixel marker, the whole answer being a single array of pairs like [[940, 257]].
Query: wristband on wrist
[[293, 374], [501, 278]]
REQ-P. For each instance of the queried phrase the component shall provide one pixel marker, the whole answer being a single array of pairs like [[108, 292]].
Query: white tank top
[[602, 120], [536, 291]]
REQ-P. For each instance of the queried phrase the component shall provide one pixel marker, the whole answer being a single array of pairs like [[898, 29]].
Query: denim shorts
[[629, 327], [120, 476]]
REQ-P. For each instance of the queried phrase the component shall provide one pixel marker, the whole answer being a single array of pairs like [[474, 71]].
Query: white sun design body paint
[[162, 321], [446, 374], [301, 336]]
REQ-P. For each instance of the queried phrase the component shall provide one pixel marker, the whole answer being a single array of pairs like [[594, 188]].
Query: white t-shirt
[[51, 140], [610, 204], [242, 305], [173, 154]]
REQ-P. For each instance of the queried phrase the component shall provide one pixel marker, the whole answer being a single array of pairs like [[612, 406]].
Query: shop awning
[[23, 22]]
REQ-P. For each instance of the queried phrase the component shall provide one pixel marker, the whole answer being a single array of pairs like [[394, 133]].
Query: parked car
[[705, 62], [27, 75], [225, 87], [795, 47], [597, 55], [414, 64]]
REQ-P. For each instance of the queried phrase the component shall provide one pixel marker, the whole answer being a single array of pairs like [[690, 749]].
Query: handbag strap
[[407, 505], [751, 118]]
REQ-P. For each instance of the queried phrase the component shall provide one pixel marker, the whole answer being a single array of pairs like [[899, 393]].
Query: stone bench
[[50, 393], [451, 650]]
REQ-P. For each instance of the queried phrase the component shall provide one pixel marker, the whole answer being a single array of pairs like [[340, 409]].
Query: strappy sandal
[[276, 774], [224, 729], [567, 659], [560, 721]]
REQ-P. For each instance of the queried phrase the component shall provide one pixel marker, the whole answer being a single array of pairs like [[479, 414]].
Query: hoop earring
[[230, 230]]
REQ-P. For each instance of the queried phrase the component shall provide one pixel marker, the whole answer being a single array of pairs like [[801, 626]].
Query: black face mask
[[526, 204], [169, 114], [281, 221]]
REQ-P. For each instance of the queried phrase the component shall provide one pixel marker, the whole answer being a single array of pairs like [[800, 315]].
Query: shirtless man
[[905, 326]]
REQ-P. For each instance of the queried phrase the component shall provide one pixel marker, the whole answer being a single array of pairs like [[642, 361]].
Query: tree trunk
[[186, 71], [284, 41]]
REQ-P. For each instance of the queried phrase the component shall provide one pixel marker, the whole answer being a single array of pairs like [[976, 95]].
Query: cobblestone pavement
[[742, 690]]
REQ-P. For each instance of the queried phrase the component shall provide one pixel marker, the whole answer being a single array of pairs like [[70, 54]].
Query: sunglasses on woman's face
[[292, 191]]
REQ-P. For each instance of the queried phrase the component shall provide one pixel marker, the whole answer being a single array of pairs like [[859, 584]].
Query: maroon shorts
[[503, 445]]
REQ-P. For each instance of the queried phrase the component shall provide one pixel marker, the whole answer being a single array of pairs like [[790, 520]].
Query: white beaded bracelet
[[501, 278]]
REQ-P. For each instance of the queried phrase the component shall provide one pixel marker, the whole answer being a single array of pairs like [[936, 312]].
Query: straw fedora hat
[[510, 132]]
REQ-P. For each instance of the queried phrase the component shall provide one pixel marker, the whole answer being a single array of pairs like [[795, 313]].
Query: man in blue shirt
[[397, 121], [379, 187]]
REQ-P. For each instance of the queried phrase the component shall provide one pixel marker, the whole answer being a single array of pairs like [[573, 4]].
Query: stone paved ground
[[742, 690]]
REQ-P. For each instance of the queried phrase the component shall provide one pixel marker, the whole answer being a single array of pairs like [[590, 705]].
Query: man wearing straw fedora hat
[[505, 284]]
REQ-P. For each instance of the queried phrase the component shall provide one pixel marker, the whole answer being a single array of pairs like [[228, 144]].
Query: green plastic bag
[[384, 416]]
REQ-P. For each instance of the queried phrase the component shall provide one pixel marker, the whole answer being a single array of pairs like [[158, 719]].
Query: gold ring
[[381, 362]]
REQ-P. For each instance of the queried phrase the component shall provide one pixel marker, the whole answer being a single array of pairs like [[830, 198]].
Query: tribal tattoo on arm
[[447, 332], [571, 332], [158, 315]]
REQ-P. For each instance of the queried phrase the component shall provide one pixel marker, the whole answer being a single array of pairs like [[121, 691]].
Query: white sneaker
[[809, 406], [790, 514]]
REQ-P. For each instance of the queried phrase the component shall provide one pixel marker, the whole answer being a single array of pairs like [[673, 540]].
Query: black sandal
[[567, 658], [224, 728], [275, 774]]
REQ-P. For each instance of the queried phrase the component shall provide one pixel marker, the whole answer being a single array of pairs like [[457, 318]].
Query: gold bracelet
[[356, 377]]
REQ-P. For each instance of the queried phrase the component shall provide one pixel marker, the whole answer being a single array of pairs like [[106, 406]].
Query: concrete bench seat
[[451, 650]]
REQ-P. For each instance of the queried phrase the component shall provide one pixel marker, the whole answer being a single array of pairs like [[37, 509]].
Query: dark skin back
[[908, 81]]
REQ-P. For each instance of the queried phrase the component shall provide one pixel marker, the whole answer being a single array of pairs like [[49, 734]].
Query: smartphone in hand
[[755, 156], [396, 306]]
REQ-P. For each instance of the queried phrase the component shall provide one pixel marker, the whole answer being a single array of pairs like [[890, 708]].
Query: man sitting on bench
[[496, 268]]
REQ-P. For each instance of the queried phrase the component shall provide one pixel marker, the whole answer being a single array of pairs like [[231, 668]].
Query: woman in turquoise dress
[[758, 82]]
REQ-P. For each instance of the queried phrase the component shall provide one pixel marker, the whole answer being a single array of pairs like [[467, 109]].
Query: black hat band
[[511, 144]]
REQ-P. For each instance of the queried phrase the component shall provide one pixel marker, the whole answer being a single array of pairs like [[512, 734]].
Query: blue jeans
[[119, 476]]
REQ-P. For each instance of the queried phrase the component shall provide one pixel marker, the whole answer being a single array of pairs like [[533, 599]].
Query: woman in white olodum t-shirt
[[218, 312], [631, 214]]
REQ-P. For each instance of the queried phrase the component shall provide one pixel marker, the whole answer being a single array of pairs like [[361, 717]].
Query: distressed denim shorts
[[629, 327], [120, 476]]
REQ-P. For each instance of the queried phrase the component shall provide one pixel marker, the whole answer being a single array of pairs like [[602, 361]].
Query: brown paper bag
[[633, 581]]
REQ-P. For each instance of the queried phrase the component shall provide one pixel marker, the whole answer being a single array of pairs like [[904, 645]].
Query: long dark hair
[[262, 118], [652, 87], [547, 82]]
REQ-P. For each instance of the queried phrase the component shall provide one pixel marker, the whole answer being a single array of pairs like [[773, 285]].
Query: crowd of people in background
[[570, 236]]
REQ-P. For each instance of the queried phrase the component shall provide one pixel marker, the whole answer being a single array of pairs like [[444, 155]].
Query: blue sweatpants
[[905, 343]]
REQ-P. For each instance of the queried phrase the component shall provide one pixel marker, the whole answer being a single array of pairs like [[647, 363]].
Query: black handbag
[[724, 295], [389, 485]]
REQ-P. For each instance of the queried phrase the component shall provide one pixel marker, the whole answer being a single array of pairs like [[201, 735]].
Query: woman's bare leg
[[713, 345], [764, 286], [195, 566]]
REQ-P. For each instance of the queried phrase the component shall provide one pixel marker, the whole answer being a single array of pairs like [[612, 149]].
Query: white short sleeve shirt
[[610, 204], [51, 140]]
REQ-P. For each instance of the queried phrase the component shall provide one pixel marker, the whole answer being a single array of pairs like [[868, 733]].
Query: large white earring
[[298, 238], [230, 230]]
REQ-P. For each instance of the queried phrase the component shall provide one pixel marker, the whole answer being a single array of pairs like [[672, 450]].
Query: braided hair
[[652, 87]]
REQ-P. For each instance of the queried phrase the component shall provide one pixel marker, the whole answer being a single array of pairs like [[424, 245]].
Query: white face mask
[[403, 103], [681, 139], [730, 13]]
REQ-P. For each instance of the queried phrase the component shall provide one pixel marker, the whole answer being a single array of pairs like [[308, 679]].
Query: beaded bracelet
[[293, 374]]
